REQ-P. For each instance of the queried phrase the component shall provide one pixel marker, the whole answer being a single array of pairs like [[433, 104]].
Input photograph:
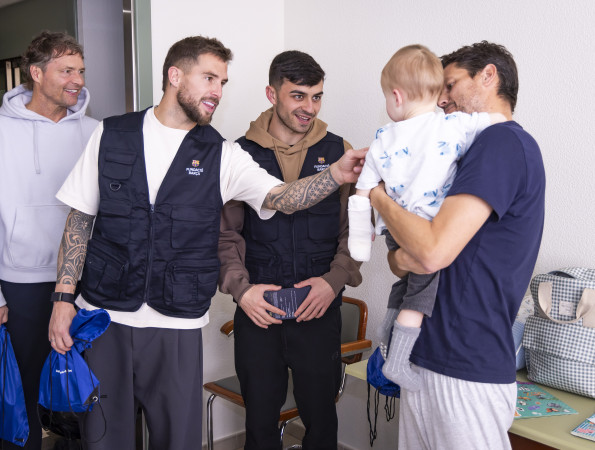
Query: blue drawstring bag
[[384, 386], [68, 388], [13, 414], [377, 379]]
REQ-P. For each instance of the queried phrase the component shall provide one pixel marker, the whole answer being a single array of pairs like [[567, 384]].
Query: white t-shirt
[[417, 158], [240, 179]]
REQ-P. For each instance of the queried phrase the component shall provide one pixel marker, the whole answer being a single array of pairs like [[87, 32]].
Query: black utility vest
[[163, 254], [289, 248]]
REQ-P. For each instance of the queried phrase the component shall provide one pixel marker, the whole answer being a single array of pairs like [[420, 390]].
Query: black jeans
[[262, 358]]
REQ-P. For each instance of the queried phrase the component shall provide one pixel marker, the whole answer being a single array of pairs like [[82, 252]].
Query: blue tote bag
[[14, 426], [68, 387]]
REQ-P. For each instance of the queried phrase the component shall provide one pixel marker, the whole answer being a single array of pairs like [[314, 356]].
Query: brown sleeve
[[344, 269], [233, 276]]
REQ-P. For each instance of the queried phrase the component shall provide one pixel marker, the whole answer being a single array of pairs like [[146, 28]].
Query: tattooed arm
[[71, 258], [301, 194], [306, 192]]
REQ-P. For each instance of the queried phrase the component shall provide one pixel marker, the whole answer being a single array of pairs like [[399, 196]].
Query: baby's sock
[[383, 331], [360, 228], [397, 367]]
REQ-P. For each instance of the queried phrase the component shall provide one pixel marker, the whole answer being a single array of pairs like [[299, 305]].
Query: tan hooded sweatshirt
[[233, 277]]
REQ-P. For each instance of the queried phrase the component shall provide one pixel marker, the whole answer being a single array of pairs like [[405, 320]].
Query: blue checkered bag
[[559, 339]]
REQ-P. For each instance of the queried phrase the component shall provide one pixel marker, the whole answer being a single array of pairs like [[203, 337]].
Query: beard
[[191, 107]]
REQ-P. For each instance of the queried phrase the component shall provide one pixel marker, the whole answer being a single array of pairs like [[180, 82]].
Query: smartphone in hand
[[288, 300]]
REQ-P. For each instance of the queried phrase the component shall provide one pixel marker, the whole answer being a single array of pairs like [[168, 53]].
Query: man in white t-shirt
[[149, 188]]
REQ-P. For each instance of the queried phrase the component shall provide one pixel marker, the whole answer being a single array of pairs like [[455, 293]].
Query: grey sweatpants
[[157, 369], [448, 413], [414, 292]]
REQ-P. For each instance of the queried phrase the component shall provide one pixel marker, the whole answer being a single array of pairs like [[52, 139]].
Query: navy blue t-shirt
[[469, 335]]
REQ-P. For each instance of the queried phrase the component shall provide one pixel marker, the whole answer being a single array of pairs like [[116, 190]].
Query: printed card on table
[[534, 401], [586, 429]]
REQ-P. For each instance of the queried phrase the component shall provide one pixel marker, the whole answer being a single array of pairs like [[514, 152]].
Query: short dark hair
[[475, 57], [45, 47], [296, 67], [185, 53]]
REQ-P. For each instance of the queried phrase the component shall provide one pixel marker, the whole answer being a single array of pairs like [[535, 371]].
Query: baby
[[416, 157]]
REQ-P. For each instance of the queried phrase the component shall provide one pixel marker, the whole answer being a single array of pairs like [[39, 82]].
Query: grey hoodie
[[36, 155]]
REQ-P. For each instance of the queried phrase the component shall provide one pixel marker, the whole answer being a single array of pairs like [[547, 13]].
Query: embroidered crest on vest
[[194, 170]]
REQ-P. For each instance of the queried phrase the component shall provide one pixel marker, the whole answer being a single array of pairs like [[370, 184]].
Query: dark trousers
[[415, 292], [29, 311], [262, 358], [156, 369]]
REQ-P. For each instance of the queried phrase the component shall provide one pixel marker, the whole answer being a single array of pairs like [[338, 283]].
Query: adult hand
[[257, 308], [59, 330], [348, 168], [3, 314], [401, 263], [376, 193], [319, 298]]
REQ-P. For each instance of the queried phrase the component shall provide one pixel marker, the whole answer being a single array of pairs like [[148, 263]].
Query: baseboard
[[345, 447], [296, 429], [293, 432], [232, 442]]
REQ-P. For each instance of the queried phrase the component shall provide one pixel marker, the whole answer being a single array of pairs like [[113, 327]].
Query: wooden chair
[[354, 314]]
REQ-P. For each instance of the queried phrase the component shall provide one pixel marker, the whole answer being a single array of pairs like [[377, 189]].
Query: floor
[[49, 440]]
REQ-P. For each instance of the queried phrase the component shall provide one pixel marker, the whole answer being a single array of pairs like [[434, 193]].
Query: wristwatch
[[62, 297]]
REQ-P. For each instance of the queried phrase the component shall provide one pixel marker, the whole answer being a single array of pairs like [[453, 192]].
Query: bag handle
[[585, 309], [578, 273]]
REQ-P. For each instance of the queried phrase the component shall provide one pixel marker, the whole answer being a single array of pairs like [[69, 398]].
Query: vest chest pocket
[[189, 226], [323, 221], [263, 269], [188, 282], [113, 220], [319, 264], [118, 165], [105, 273]]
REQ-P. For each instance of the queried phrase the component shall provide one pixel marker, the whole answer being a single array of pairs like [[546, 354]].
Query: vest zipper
[[295, 272], [150, 252]]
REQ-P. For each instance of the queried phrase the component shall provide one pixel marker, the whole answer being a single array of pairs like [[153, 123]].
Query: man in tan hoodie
[[307, 249]]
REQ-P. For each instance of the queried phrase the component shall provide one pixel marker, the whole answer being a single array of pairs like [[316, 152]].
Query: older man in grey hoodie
[[43, 131]]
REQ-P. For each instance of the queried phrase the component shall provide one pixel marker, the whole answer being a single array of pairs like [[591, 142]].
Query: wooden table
[[554, 431]]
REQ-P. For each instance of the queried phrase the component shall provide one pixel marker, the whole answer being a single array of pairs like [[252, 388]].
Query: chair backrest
[[354, 315]]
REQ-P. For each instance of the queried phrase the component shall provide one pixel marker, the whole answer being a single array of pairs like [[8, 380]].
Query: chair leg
[[210, 422], [145, 431], [282, 426], [342, 385]]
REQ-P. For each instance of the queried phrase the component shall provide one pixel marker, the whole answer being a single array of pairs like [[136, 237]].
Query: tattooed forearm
[[301, 194], [73, 248]]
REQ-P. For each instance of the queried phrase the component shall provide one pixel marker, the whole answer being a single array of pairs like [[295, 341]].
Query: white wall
[[553, 45]]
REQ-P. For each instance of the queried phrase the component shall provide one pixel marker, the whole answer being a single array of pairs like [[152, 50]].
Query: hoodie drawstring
[[81, 133]]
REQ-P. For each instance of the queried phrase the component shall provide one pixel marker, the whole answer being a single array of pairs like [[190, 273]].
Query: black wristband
[[62, 297]]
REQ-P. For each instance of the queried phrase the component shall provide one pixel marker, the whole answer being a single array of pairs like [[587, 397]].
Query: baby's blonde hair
[[416, 71]]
